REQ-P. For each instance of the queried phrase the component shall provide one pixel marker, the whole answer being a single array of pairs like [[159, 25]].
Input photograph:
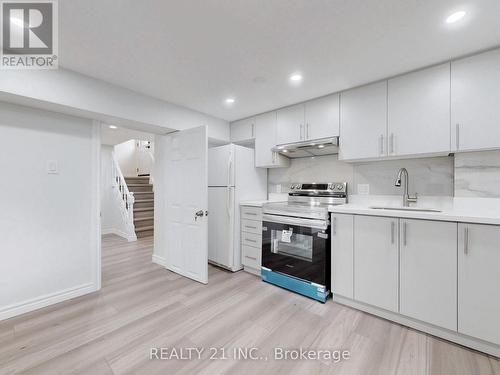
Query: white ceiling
[[119, 135], [197, 52]]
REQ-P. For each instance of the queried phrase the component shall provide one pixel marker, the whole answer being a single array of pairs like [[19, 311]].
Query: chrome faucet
[[406, 197]]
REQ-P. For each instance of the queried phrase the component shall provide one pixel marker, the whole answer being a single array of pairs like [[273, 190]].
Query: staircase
[[143, 205]]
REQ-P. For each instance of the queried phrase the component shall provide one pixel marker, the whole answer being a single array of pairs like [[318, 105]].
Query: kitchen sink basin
[[414, 209]]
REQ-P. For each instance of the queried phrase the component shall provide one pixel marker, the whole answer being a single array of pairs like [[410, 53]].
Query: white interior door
[[186, 193], [144, 157]]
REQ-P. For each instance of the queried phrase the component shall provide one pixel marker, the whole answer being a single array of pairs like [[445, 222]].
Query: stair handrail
[[127, 197]]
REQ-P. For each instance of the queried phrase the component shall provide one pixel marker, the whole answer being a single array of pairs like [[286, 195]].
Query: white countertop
[[253, 203], [466, 210]]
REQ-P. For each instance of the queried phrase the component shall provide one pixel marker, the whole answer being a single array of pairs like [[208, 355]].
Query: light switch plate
[[364, 189], [52, 167]]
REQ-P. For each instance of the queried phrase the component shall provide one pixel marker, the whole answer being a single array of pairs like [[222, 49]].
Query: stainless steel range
[[296, 238]]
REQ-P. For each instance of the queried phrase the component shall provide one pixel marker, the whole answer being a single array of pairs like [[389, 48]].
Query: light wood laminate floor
[[142, 305]]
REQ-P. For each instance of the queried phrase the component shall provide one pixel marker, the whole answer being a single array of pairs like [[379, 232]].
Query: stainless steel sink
[[405, 209]]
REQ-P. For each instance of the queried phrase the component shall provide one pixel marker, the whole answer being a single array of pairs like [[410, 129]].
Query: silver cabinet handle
[[253, 258], [307, 131], [404, 233], [457, 136], [334, 226], [250, 240], [248, 226], [466, 240], [381, 144], [391, 144], [393, 226], [251, 213]]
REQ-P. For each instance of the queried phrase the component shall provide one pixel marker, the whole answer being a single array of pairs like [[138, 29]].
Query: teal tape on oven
[[315, 291]]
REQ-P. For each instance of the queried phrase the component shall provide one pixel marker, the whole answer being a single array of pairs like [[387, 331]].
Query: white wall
[[111, 218], [126, 156], [69, 92], [50, 238]]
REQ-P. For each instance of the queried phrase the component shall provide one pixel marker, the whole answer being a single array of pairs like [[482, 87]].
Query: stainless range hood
[[317, 147]]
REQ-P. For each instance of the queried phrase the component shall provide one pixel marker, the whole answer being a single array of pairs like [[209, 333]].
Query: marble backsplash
[[472, 174], [477, 174], [428, 176]]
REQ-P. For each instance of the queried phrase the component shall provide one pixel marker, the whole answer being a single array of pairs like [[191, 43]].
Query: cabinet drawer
[[251, 256], [251, 239], [252, 226], [251, 213]]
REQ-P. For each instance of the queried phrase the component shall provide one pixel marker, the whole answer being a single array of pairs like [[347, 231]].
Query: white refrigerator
[[232, 178]]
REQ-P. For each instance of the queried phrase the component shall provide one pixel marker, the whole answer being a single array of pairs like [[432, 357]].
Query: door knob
[[198, 214]]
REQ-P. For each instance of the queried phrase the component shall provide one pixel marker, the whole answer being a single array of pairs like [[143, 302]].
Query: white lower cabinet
[[376, 261], [251, 238], [428, 271], [479, 281], [342, 277]]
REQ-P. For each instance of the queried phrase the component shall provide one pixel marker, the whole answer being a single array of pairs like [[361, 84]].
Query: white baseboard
[[159, 260], [46, 300], [128, 237]]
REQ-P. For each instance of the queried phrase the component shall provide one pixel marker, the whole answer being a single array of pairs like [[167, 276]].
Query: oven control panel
[[328, 187]]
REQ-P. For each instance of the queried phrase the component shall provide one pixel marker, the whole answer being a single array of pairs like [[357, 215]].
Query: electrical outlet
[[364, 189], [52, 167]]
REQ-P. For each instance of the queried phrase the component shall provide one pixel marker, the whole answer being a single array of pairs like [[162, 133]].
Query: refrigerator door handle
[[229, 167]]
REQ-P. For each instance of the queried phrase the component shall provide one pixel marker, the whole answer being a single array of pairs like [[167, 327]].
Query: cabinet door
[[342, 255], [265, 140], [290, 122], [428, 273], [243, 130], [376, 261], [479, 281], [419, 112], [322, 117], [363, 122], [475, 95]]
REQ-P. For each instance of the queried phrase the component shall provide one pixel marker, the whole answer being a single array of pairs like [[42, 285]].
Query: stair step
[[139, 185], [137, 180], [144, 209], [144, 200], [141, 229], [144, 218]]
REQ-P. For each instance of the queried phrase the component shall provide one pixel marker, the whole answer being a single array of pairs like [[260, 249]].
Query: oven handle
[[308, 223]]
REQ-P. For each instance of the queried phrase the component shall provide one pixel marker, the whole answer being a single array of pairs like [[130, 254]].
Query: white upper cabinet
[[376, 259], [419, 112], [265, 140], [475, 98], [342, 244], [428, 273], [322, 117], [363, 122], [243, 131], [290, 124], [478, 281]]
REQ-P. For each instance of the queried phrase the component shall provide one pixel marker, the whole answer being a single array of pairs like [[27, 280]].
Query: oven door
[[296, 247]]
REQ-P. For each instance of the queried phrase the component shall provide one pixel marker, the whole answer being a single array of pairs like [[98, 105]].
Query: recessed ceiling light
[[113, 127], [457, 16], [296, 77], [229, 101]]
